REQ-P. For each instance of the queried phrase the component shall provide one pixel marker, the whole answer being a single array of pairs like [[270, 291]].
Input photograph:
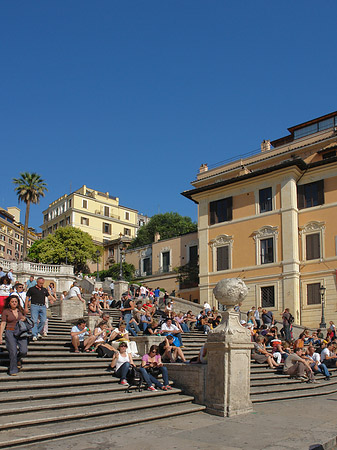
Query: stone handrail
[[180, 304]]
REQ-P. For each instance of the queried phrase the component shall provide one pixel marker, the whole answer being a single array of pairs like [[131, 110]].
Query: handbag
[[23, 327]]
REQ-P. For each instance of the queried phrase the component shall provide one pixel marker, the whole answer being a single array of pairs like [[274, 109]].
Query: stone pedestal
[[121, 286], [71, 309], [144, 342], [227, 390]]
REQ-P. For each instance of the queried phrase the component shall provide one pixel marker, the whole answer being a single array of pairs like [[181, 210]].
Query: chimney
[[203, 168], [156, 237], [265, 145]]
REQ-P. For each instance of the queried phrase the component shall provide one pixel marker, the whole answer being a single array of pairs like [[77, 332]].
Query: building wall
[[96, 213], [11, 234], [283, 169]]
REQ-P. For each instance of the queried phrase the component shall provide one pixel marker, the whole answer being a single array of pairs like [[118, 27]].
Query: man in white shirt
[[315, 362], [169, 328], [143, 291], [75, 293], [19, 292], [327, 357], [10, 275], [112, 287], [207, 307], [81, 336]]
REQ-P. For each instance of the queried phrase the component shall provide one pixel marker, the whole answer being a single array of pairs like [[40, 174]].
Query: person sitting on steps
[[81, 336], [169, 353]]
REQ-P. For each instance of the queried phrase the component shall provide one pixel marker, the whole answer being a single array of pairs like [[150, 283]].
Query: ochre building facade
[[270, 219]]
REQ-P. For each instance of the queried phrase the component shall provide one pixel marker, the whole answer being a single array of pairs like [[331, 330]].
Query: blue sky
[[131, 97]]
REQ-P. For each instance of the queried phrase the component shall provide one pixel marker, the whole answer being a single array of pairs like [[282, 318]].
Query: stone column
[[121, 286], [227, 391], [71, 309]]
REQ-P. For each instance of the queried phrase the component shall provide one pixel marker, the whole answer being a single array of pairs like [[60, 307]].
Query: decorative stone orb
[[230, 291]]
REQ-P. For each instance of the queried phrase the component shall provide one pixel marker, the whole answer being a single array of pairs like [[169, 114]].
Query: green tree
[[168, 225], [113, 272], [30, 187], [52, 249]]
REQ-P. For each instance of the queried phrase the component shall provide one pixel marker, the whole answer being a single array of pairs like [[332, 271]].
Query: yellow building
[[94, 212], [11, 234], [270, 219], [156, 264]]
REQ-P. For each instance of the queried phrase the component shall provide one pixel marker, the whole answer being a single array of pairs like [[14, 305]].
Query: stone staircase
[[271, 385], [61, 394]]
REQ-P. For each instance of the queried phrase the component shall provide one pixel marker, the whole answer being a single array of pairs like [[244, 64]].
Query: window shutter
[[320, 192], [222, 258], [313, 246], [300, 196], [229, 208], [212, 210]]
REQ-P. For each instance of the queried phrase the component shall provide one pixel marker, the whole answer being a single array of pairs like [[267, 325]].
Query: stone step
[[289, 395], [295, 385], [38, 433], [53, 374], [110, 385], [74, 412]]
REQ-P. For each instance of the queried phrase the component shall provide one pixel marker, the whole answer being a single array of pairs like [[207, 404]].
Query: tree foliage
[[168, 225], [52, 249], [30, 187], [113, 272]]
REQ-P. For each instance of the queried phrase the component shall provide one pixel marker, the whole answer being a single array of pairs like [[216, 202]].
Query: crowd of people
[[302, 358], [148, 311]]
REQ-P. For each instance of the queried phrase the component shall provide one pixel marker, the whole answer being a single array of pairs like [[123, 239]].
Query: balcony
[[112, 216]]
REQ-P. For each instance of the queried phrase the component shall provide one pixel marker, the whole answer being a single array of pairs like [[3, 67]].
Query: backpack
[[291, 319], [134, 378], [104, 352]]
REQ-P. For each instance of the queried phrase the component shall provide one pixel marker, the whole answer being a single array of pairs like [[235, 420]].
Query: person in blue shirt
[[31, 282]]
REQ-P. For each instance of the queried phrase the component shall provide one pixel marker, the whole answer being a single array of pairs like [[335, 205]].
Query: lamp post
[[97, 274], [121, 247], [66, 255], [322, 292]]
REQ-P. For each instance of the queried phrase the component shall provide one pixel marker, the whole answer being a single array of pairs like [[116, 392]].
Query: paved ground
[[293, 424]]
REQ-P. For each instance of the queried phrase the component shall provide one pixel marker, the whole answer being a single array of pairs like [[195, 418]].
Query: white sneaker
[[44, 334], [34, 338], [39, 336]]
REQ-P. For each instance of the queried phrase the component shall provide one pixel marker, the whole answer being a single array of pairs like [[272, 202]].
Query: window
[[50, 230], [193, 255], [17, 236], [9, 252], [2, 237], [111, 252], [2, 248], [106, 228], [68, 220], [166, 261], [265, 200], [313, 248], [313, 294], [146, 266], [312, 238], [85, 221], [328, 155], [62, 223], [267, 250], [55, 226], [85, 204], [221, 210], [127, 232], [221, 248], [127, 215], [266, 244], [17, 247], [45, 218], [10, 241], [222, 262], [311, 194], [106, 211], [268, 297], [69, 203]]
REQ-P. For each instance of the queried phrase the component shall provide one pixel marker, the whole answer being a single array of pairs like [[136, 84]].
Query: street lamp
[[97, 274], [66, 255], [121, 247], [322, 292]]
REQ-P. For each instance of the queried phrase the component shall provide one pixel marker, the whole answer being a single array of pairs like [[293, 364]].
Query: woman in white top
[[5, 290], [122, 360], [121, 334]]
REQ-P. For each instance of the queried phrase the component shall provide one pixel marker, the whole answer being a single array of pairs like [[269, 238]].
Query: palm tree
[[29, 188]]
